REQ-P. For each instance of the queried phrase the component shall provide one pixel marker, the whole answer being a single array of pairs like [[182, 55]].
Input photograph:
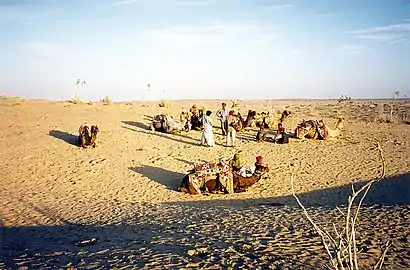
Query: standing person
[[222, 114], [231, 132], [207, 133]]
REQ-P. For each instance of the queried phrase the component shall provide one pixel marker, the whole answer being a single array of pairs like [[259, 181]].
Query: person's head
[[194, 106], [208, 113], [231, 112], [223, 105], [280, 125], [259, 159]]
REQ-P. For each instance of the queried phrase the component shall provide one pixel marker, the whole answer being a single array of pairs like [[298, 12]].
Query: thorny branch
[[344, 253]]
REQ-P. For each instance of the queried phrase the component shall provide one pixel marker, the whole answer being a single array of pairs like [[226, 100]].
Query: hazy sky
[[204, 48]]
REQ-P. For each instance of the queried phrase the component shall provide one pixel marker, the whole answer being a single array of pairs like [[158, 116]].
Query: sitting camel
[[241, 183], [328, 133], [163, 123], [224, 179], [249, 119], [208, 177], [313, 129], [87, 136], [284, 115]]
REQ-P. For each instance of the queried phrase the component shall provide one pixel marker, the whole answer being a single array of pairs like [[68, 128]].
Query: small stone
[[192, 252]]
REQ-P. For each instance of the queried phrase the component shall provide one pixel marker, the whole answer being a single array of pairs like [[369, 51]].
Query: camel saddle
[[206, 171]]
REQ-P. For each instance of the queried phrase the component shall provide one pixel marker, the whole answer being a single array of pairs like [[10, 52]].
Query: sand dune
[[123, 192]]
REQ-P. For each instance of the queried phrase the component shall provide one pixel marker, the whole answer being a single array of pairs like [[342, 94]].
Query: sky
[[216, 49]]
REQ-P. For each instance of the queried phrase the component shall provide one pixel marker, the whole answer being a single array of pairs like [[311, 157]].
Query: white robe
[[207, 133]]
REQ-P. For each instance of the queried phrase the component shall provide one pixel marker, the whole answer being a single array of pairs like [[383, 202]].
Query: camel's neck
[[254, 178]]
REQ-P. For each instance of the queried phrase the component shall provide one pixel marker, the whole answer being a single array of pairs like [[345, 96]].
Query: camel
[[164, 123], [241, 183], [328, 133], [312, 129], [284, 115], [249, 119], [307, 129], [208, 177], [87, 136], [224, 180]]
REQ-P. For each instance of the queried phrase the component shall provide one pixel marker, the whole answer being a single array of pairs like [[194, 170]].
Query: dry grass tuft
[[106, 100]]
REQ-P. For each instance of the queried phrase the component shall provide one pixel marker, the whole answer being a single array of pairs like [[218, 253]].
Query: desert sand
[[123, 192]]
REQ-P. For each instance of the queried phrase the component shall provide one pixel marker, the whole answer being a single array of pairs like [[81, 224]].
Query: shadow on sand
[[136, 124], [161, 235], [55, 247], [389, 191], [172, 180], [65, 136]]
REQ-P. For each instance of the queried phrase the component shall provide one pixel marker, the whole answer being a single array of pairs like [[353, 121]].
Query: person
[[258, 164], [193, 109], [207, 133], [231, 132], [195, 120], [261, 135], [281, 136], [236, 165], [222, 114]]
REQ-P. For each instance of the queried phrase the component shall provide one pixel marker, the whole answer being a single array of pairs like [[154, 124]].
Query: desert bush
[[163, 104], [344, 98], [341, 245], [76, 100], [106, 100]]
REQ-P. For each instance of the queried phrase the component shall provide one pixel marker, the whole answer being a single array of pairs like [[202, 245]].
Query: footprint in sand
[[96, 161]]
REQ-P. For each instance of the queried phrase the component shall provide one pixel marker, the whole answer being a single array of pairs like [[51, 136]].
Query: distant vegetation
[[344, 98]]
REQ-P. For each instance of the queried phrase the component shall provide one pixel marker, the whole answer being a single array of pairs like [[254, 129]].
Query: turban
[[259, 159]]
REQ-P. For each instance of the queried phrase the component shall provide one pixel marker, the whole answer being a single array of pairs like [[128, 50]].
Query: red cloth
[[231, 112], [259, 159]]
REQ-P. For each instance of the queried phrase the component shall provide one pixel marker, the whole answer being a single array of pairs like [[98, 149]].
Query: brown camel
[[307, 129], [208, 177], [241, 183], [249, 119], [87, 136], [284, 115]]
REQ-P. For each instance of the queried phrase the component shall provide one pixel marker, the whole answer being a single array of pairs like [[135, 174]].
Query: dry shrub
[[106, 100], [164, 104], [76, 100], [340, 245]]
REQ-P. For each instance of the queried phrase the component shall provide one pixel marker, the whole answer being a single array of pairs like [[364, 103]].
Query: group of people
[[227, 120]]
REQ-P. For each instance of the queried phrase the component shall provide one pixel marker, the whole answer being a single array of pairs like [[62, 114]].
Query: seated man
[[281, 136], [255, 167], [195, 121], [185, 121], [261, 135], [235, 163]]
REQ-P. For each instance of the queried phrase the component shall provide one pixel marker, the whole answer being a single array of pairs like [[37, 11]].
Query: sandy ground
[[123, 192]]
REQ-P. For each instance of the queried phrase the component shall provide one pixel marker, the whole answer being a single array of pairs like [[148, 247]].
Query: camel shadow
[[185, 161], [162, 135], [172, 180], [65, 136], [136, 124]]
